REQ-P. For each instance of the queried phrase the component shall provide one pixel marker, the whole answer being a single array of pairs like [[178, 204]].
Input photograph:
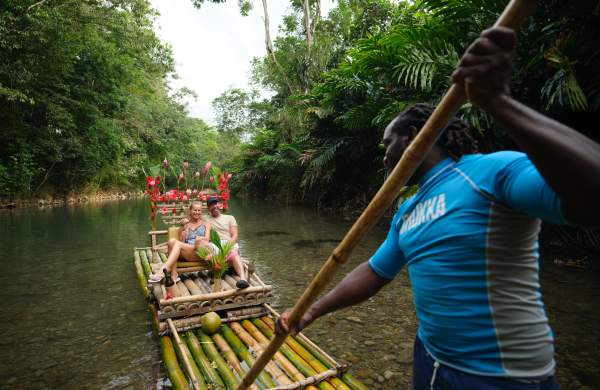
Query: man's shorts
[[234, 251], [431, 375]]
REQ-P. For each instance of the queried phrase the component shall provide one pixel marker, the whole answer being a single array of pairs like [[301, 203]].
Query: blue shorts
[[427, 377]]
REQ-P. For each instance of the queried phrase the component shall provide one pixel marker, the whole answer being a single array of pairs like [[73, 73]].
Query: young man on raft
[[469, 236]]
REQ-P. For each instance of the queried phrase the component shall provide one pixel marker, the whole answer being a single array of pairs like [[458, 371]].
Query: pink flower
[[186, 164], [194, 192], [184, 198], [164, 211], [197, 174], [165, 163], [229, 176], [180, 176], [188, 192], [207, 167], [152, 183], [211, 179]]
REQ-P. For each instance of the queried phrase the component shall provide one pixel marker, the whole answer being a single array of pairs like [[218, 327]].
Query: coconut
[[211, 322]]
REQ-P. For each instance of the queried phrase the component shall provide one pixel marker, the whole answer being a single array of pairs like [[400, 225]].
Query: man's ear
[[411, 134]]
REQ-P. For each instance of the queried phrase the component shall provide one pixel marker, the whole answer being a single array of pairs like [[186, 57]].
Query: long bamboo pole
[[513, 16], [188, 362], [220, 365]]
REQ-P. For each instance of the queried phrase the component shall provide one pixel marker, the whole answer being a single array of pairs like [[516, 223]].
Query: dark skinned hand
[[282, 325], [485, 68]]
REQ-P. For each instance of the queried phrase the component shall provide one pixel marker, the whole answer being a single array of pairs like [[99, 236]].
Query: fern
[[422, 62]]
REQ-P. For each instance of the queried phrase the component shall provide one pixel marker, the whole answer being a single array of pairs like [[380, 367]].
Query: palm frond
[[422, 62]]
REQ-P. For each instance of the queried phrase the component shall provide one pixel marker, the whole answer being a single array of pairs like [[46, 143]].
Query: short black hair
[[456, 139], [211, 200]]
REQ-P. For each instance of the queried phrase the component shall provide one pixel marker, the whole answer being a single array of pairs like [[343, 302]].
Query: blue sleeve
[[520, 186], [388, 260]]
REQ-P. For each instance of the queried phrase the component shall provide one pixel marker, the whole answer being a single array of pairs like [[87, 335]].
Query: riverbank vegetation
[[85, 102], [338, 83]]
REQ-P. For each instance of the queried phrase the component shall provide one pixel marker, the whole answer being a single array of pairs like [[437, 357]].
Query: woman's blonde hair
[[195, 202]]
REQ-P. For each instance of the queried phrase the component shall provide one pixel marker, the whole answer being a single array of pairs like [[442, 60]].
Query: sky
[[213, 45]]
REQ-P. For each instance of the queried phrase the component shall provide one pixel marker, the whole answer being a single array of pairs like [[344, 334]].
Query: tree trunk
[[307, 24], [269, 46]]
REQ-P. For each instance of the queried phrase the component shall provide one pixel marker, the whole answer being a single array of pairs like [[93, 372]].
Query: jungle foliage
[[318, 141], [84, 99]]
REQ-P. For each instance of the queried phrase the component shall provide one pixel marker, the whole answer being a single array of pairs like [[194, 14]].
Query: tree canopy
[[84, 98]]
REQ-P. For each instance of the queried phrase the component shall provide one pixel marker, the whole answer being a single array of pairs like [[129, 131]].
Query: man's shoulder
[[227, 218], [486, 165]]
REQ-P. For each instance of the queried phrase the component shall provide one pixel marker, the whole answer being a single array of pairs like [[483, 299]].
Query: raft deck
[[196, 360]]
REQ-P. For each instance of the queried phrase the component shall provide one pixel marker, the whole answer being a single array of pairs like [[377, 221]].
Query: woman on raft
[[194, 236]]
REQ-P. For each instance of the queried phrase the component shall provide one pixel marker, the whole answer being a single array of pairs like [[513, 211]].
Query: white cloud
[[213, 46]]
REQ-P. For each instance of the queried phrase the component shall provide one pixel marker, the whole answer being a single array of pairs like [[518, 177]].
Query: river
[[72, 315]]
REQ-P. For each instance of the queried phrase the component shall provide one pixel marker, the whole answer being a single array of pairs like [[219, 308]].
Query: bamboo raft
[[196, 360]]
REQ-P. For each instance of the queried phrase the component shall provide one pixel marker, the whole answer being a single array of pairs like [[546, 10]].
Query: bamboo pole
[[178, 380], [299, 361], [271, 368], [317, 352], [308, 381], [192, 287], [154, 319], [228, 352], [213, 380], [188, 264], [184, 354], [221, 366], [513, 16], [221, 294], [142, 280], [243, 353], [291, 370], [231, 357], [145, 263]]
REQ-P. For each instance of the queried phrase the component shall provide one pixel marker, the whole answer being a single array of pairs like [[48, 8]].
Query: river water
[[72, 316]]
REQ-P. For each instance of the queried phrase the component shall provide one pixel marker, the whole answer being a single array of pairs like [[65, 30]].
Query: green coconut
[[211, 322]]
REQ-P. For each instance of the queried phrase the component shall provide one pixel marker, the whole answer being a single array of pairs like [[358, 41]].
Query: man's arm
[[359, 285], [568, 161], [233, 232]]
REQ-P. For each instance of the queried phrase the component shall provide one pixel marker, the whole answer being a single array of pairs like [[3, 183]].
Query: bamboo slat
[[145, 262], [243, 354], [263, 341], [275, 372], [178, 380], [221, 294], [302, 365], [142, 279], [209, 373], [227, 376], [192, 287], [185, 355]]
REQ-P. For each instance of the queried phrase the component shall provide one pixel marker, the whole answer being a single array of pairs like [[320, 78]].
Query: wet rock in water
[[388, 374], [380, 379], [271, 233], [354, 319], [405, 356], [350, 357]]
